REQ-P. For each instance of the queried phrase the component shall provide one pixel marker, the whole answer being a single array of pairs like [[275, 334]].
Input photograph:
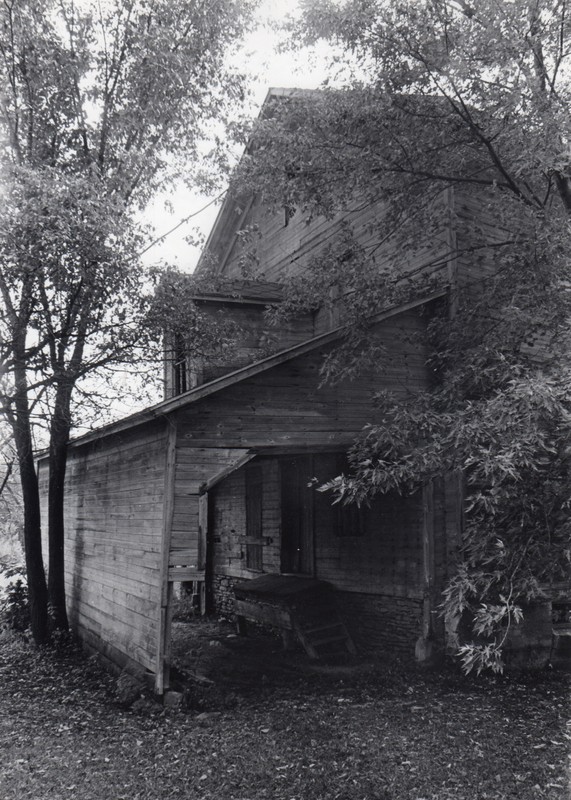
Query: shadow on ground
[[208, 654]]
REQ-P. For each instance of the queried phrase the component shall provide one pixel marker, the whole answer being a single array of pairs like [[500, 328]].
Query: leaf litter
[[390, 732]]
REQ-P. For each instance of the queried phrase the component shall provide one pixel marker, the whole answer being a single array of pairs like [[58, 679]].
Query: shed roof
[[166, 407]]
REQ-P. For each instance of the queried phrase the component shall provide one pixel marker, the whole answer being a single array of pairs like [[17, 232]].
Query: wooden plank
[[223, 473], [129, 610], [185, 574], [182, 557], [142, 654], [271, 615], [143, 589], [202, 530]]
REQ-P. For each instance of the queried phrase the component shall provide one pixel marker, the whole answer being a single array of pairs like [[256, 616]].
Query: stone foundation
[[223, 595], [381, 624], [378, 624], [528, 645]]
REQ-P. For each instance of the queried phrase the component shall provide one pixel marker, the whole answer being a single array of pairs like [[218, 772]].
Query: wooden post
[[202, 545], [423, 650], [164, 627]]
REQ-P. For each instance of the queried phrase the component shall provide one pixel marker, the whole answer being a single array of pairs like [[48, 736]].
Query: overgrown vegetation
[[14, 606]]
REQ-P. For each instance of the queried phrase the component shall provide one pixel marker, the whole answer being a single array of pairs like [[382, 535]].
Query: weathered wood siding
[[475, 225], [286, 408], [388, 584], [386, 558], [195, 467], [285, 405], [255, 339], [114, 520], [228, 534], [285, 250]]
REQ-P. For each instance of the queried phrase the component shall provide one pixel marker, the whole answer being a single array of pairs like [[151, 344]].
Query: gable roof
[[166, 407]]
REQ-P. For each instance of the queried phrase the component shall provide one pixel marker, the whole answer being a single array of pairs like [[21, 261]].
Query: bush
[[17, 610], [14, 607]]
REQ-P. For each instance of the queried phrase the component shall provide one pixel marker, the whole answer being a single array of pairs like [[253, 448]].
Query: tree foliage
[[451, 121], [103, 104]]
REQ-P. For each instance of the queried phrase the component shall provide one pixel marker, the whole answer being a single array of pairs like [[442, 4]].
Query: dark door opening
[[297, 546]]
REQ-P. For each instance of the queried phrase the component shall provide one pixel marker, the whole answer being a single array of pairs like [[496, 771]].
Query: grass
[[381, 734]]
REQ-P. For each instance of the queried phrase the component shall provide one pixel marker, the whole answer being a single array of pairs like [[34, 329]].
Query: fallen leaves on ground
[[381, 734]]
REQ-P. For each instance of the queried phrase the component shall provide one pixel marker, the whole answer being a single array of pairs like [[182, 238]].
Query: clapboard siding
[[282, 251], [194, 467], [476, 226], [254, 339], [113, 520], [285, 405]]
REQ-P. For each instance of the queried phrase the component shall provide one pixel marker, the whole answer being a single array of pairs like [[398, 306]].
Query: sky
[[268, 68]]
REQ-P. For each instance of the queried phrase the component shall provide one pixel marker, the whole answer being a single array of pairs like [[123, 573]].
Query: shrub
[[14, 607]]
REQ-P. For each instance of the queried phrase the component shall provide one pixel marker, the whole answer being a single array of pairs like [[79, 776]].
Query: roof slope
[[166, 407]]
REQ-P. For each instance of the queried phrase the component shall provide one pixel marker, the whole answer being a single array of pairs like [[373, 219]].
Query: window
[[350, 520], [180, 367]]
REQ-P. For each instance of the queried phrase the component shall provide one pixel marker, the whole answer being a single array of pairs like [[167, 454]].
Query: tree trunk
[[59, 437], [37, 589]]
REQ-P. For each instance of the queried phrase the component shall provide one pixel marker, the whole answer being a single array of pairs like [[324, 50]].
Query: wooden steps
[[321, 630], [297, 606]]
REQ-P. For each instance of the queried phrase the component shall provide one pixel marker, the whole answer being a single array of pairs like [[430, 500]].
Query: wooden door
[[297, 546]]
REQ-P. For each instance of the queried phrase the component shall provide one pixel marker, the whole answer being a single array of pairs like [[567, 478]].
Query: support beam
[[165, 605], [424, 644]]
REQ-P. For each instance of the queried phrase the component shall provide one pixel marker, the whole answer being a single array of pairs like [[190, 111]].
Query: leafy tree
[[434, 97], [105, 103]]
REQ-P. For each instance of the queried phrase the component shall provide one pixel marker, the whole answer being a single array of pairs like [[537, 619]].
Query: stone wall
[[529, 644], [381, 624], [223, 595]]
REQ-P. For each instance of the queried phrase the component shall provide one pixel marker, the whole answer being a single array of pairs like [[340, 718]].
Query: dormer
[[238, 308]]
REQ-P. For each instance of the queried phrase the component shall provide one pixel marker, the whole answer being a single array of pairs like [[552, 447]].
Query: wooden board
[[113, 514]]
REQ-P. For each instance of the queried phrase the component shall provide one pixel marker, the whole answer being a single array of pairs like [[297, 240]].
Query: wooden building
[[217, 484]]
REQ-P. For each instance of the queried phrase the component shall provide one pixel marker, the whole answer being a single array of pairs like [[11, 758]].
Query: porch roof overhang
[[167, 407]]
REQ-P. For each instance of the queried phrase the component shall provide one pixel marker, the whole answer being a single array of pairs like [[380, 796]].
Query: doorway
[[297, 541]]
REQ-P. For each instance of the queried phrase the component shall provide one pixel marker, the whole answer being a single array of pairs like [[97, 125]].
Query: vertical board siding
[[254, 503], [386, 558], [113, 522]]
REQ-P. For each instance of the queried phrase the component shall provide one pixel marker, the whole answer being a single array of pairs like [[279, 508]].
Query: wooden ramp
[[300, 607]]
